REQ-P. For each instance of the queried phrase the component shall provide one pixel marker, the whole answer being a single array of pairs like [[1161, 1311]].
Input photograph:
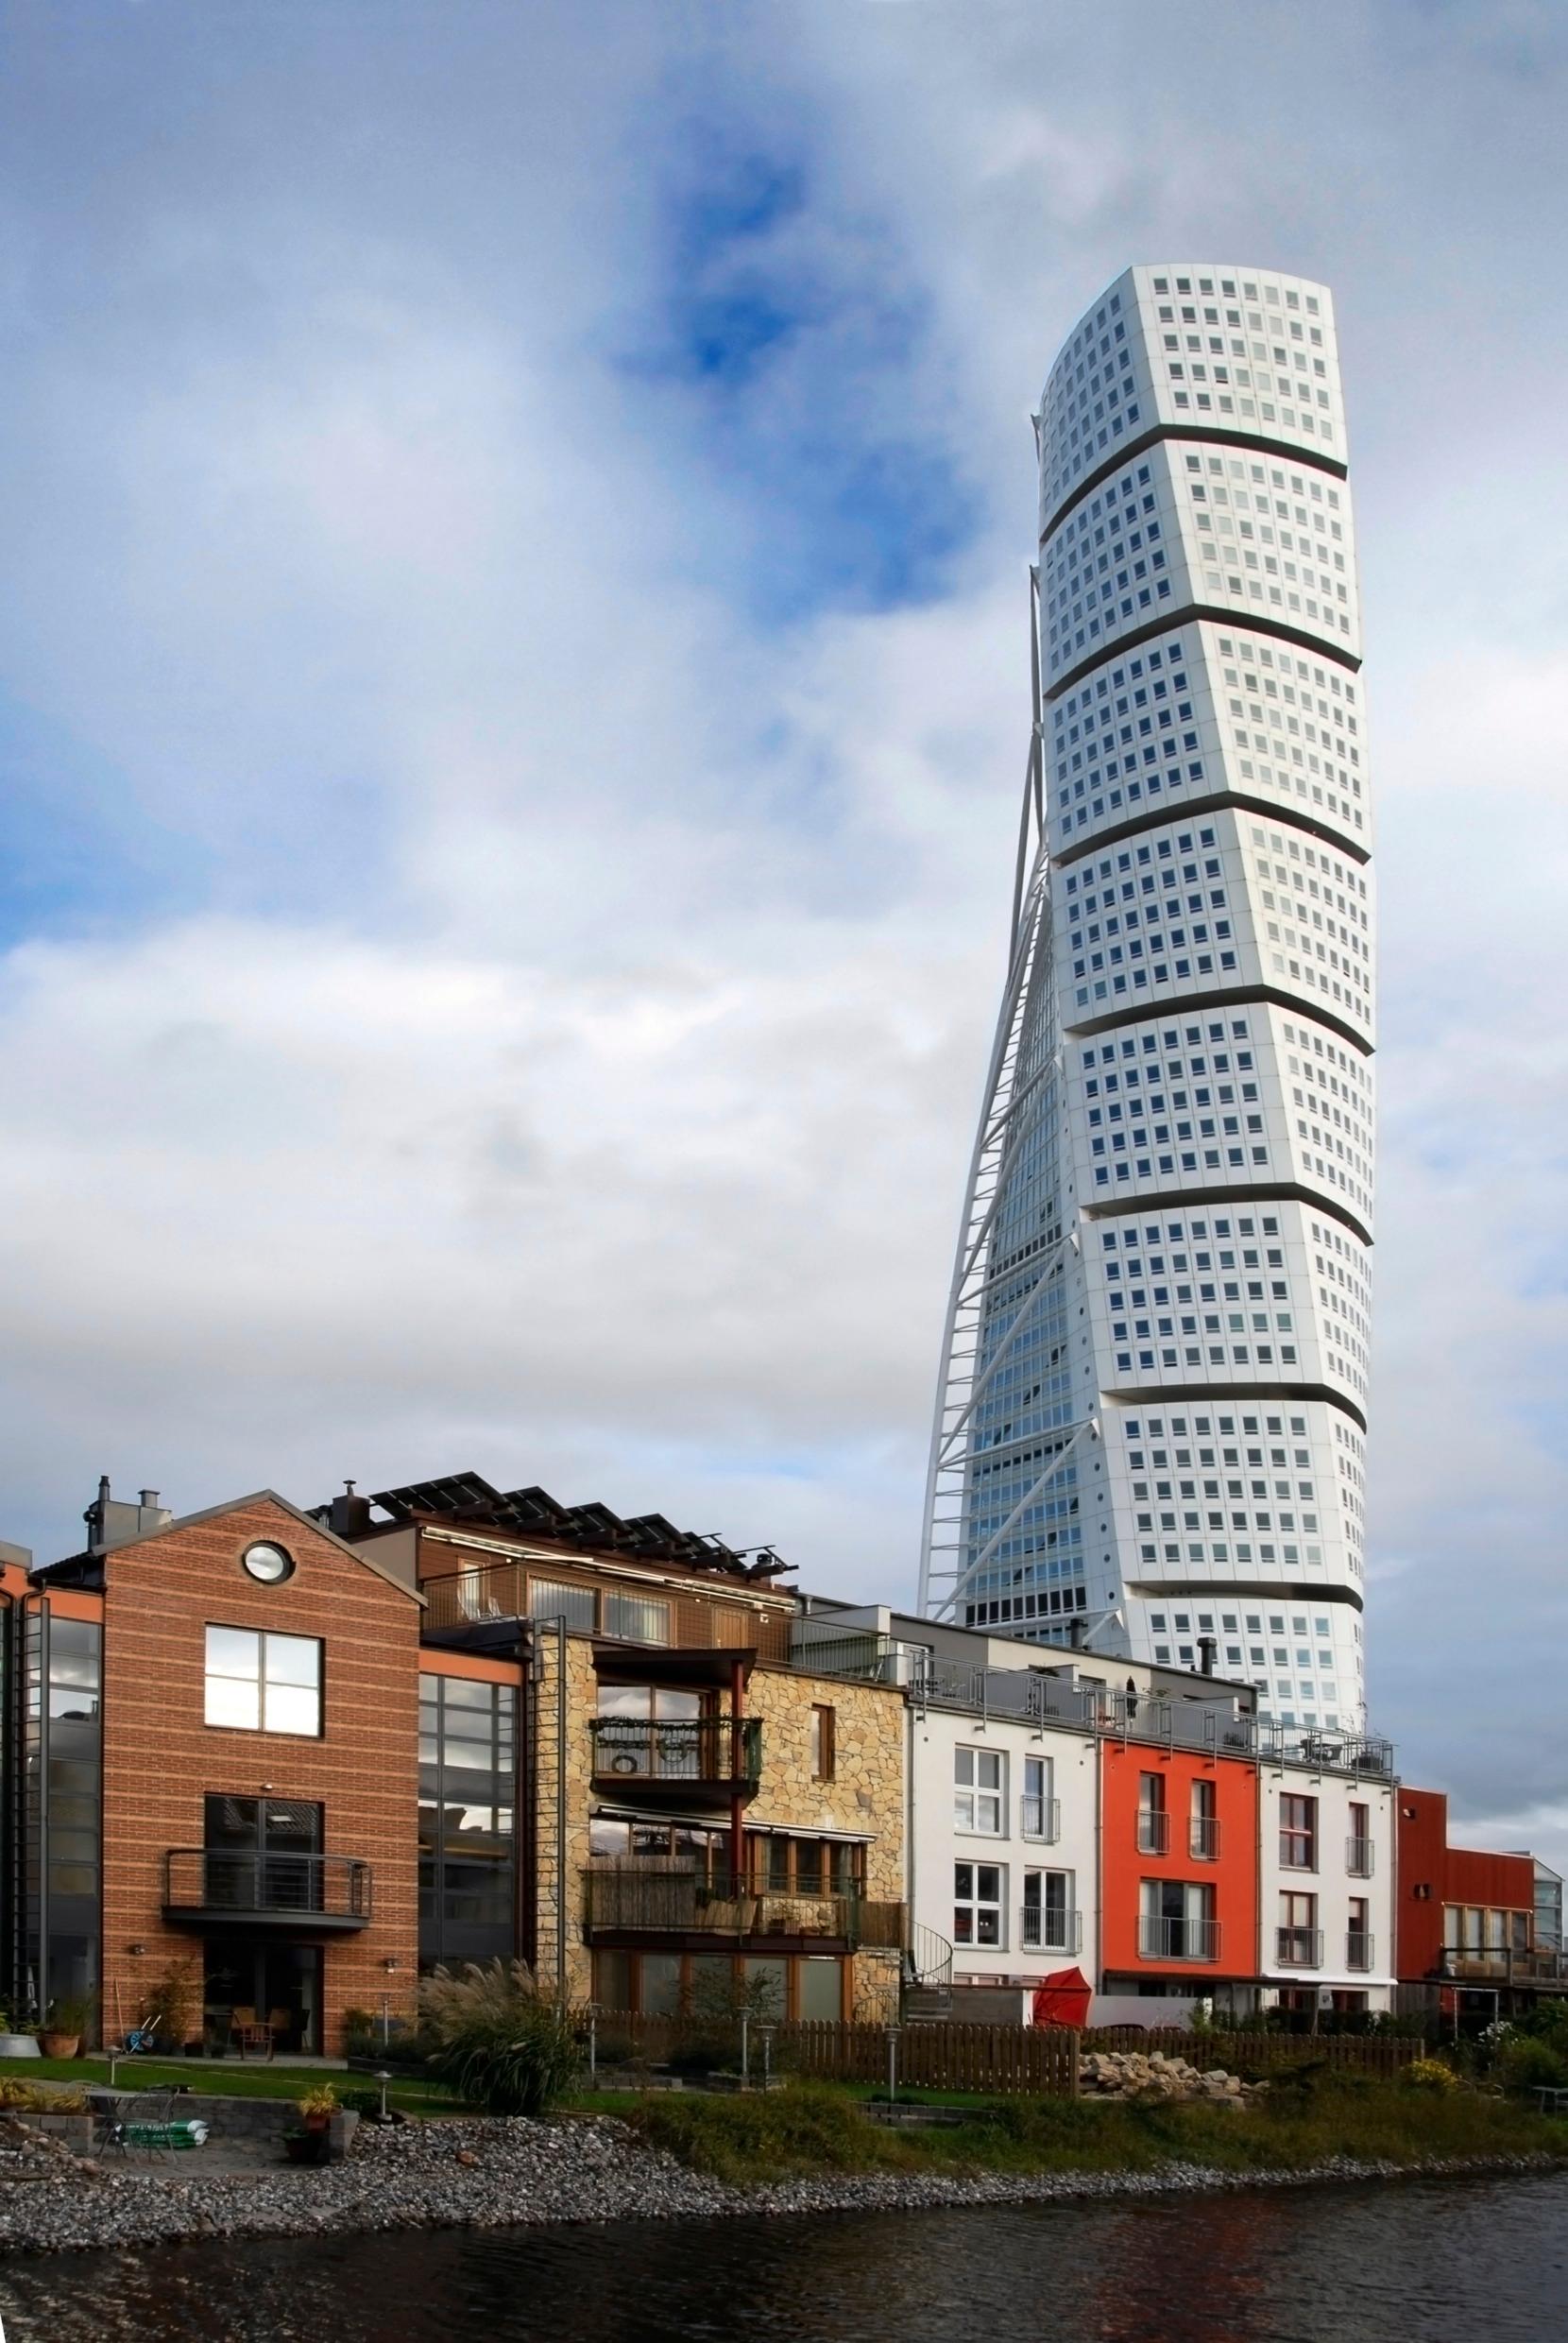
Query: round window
[[271, 1563]]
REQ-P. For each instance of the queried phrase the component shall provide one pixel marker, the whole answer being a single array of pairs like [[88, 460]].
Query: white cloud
[[550, 1039]]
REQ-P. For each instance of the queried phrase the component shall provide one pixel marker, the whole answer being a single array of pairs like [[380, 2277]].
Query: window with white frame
[[1039, 1816], [977, 1892], [262, 1683], [977, 1787], [1049, 1922]]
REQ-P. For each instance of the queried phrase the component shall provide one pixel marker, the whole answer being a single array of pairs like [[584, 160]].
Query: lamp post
[[593, 2041], [764, 2035], [892, 2033], [745, 2049], [383, 2079]]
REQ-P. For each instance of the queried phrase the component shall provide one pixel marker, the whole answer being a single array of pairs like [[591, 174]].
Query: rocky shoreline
[[490, 2175]]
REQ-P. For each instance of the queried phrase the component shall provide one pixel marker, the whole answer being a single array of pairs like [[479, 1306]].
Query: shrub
[[1524, 2063], [1430, 2074], [499, 2042]]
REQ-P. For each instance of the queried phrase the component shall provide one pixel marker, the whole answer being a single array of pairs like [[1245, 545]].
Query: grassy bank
[[816, 2128], [258, 2081]]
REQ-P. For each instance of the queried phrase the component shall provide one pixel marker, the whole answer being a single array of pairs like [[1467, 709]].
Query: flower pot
[[303, 2148], [19, 2046], [60, 2045], [317, 2123]]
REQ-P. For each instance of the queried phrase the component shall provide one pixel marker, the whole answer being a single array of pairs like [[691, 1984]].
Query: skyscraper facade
[[1150, 1419]]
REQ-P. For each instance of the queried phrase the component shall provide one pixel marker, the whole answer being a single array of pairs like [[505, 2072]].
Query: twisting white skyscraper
[[1150, 1419]]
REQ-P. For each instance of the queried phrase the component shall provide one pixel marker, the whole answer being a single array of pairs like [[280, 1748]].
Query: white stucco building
[[1152, 1404], [1326, 1873]]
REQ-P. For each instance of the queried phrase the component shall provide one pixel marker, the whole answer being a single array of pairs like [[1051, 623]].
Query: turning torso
[[1151, 1414]]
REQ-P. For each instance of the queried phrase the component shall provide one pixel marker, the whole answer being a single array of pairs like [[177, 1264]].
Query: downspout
[[1100, 1859]]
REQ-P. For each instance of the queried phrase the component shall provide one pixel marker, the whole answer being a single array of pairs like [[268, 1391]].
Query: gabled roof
[[234, 1505]]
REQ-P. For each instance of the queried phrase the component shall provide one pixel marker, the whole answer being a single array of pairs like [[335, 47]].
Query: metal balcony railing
[[1044, 1929], [1153, 1831], [654, 1899], [1042, 1819], [1360, 1858], [711, 1751], [1178, 1940], [225, 1883], [1359, 1949], [1204, 1839], [1299, 1948], [1511, 1964]]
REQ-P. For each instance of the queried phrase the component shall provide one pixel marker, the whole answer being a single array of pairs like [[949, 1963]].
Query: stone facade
[[865, 1798], [560, 1956]]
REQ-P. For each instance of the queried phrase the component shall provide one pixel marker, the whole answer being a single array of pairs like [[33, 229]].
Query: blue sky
[[513, 694]]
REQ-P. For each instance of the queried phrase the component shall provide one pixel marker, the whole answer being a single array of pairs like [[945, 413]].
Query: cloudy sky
[[514, 526]]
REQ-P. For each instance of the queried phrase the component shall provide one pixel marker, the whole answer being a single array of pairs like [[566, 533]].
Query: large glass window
[[61, 1661], [468, 1824], [637, 1618], [259, 1683]]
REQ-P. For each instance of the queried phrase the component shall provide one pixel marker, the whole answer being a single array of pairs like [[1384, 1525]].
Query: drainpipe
[[1100, 1862], [736, 1802]]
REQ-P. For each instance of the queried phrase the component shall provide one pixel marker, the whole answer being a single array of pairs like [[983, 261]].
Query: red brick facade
[[161, 1757]]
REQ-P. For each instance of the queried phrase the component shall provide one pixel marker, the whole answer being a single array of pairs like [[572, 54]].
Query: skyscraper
[[1151, 1409]]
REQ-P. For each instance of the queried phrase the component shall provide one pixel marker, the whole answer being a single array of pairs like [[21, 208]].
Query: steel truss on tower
[[991, 1308]]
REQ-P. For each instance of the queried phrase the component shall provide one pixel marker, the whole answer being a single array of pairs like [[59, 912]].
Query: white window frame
[[975, 1905], [978, 1806]]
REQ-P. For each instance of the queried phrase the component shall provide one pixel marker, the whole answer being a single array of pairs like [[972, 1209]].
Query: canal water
[[1411, 2263]]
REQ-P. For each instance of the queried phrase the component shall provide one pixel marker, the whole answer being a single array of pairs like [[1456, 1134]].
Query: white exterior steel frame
[[1151, 1405]]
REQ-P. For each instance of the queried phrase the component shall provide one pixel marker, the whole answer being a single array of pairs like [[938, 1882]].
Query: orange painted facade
[[1126, 1865]]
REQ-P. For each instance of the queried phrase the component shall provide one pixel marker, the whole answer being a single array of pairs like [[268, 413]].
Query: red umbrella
[[1063, 1998]]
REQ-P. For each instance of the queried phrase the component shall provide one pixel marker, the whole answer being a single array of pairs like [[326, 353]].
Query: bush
[[500, 2044], [1430, 2074], [1525, 2064]]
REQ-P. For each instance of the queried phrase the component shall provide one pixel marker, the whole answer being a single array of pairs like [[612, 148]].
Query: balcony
[[1043, 1930], [1502, 1964], [1178, 1940], [1359, 1949], [1204, 1839], [1153, 1831], [652, 1899], [1042, 1819], [1297, 1948], [1360, 1857], [485, 1607], [676, 1760], [302, 1894]]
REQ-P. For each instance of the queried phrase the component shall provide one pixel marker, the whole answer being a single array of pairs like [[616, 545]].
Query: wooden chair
[[253, 2035], [277, 2023]]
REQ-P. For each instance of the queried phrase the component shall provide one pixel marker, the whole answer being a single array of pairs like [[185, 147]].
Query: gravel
[[491, 2175]]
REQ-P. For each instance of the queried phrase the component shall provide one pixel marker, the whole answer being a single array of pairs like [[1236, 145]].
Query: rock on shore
[[490, 2175], [1138, 2075]]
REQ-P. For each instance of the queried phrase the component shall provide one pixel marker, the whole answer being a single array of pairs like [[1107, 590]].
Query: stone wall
[[550, 1886], [866, 1796]]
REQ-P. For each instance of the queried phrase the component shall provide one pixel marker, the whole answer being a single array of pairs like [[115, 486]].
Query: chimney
[[1208, 1651], [114, 1521], [350, 1515]]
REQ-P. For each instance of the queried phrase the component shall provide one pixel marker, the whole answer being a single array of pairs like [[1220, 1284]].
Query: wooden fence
[[1374, 2054], [932, 2055]]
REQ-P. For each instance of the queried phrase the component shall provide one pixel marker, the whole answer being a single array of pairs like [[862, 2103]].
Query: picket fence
[[932, 2055]]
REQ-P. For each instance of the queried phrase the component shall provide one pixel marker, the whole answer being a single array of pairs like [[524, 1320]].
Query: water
[[1407, 2264]]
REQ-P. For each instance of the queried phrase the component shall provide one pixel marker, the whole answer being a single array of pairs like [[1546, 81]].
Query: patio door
[[280, 1982]]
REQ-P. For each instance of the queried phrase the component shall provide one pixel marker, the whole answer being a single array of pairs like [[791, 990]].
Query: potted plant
[[305, 2148], [70, 2017], [317, 2108], [17, 2045]]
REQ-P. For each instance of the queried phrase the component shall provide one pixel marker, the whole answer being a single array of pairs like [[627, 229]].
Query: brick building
[[305, 1754]]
